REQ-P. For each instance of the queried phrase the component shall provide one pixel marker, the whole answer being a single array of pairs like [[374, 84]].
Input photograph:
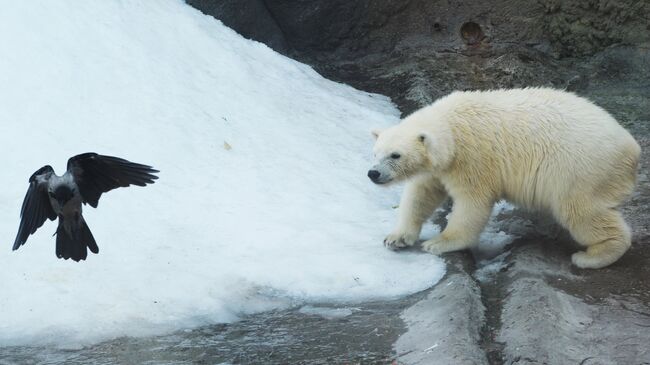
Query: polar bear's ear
[[440, 147], [376, 132], [428, 141]]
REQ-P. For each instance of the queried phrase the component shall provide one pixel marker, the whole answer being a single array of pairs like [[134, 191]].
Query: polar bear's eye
[[395, 155]]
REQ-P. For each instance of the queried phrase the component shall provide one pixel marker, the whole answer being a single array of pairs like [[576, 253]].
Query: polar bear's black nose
[[373, 175]]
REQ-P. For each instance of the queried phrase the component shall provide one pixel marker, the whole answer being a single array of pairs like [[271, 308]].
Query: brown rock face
[[416, 50]]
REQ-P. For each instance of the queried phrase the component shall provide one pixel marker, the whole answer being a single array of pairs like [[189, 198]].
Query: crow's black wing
[[36, 206], [96, 174]]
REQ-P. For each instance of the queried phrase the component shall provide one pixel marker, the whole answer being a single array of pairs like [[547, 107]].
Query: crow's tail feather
[[74, 246]]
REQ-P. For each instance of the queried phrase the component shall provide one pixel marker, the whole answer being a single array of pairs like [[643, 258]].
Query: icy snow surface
[[262, 200], [492, 245], [327, 313]]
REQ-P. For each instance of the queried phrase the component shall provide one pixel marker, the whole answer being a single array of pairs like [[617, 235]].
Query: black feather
[[97, 174], [36, 208], [75, 245]]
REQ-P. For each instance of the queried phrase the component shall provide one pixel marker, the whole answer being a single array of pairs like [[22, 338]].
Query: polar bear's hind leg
[[602, 230]]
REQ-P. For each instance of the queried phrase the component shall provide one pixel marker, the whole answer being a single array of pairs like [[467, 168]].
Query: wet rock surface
[[302, 335], [446, 326]]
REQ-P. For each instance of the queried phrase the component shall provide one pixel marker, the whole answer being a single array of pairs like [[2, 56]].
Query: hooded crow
[[50, 196]]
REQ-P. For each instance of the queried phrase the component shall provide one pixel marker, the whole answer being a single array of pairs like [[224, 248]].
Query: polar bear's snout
[[374, 175], [379, 175]]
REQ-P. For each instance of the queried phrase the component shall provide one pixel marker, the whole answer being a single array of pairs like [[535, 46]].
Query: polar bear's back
[[537, 144], [534, 113]]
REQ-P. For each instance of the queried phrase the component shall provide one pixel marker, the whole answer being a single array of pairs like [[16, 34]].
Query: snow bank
[[262, 200]]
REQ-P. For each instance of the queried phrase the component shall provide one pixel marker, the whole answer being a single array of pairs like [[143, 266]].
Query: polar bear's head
[[402, 153]]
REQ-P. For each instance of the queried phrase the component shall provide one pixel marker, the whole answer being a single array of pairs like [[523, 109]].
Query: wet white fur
[[539, 148]]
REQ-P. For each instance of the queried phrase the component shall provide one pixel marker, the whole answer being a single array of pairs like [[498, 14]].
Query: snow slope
[[262, 200]]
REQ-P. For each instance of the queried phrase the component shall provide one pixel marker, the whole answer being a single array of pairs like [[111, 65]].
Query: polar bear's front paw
[[434, 246], [396, 241], [438, 246]]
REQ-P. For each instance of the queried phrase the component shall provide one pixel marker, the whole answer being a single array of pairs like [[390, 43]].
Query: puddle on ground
[[360, 333]]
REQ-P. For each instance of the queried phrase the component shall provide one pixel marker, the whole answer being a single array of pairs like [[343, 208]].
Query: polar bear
[[539, 148]]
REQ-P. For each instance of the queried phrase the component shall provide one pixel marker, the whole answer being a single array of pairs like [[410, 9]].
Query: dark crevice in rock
[[490, 291], [279, 25], [492, 295]]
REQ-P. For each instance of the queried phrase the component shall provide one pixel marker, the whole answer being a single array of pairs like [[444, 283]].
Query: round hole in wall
[[471, 33]]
